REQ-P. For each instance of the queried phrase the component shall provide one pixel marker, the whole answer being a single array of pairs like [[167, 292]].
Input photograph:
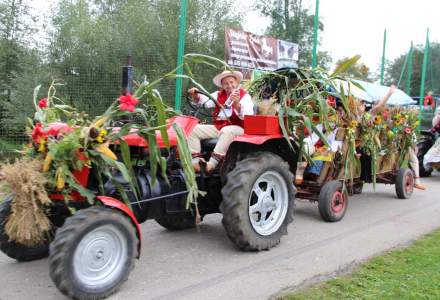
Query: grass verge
[[410, 273]]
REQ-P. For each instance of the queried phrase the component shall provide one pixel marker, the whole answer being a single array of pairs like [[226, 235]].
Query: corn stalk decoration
[[65, 140], [302, 96]]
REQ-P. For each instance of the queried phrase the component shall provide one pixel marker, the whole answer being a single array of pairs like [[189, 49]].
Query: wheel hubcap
[[100, 256], [268, 203], [338, 202]]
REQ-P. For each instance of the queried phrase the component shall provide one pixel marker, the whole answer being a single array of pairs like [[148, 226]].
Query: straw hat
[[219, 77]]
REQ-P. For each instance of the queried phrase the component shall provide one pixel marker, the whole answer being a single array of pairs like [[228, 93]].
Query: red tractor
[[93, 249]]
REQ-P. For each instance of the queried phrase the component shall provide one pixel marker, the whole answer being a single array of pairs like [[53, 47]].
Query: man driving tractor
[[233, 103]]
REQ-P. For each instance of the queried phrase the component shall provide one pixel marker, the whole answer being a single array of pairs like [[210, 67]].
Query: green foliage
[[356, 70], [411, 273], [292, 22], [395, 67]]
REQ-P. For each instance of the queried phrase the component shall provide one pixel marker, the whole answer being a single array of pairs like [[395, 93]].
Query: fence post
[[409, 73], [425, 61], [315, 34], [180, 53], [382, 69], [127, 77]]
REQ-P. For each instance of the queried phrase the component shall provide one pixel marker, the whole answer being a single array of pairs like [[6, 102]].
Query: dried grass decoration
[[27, 224]]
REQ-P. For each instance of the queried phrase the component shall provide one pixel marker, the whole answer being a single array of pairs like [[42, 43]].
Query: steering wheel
[[197, 110]]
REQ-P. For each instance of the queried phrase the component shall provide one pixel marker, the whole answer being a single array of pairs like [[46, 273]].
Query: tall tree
[[94, 37], [15, 33], [395, 67], [19, 64], [292, 22]]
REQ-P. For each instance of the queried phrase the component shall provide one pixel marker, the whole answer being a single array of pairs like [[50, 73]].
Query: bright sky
[[356, 27]]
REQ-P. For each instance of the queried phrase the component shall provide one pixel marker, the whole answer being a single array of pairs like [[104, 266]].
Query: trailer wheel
[[93, 253], [13, 249], [177, 222], [404, 183], [258, 201], [332, 201]]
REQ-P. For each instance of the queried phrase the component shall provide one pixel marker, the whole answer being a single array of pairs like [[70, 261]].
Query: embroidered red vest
[[234, 119]]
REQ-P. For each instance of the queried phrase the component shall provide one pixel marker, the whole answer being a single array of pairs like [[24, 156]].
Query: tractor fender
[[116, 204], [257, 139]]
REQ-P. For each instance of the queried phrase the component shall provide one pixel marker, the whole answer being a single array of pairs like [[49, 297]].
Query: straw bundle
[[28, 223]]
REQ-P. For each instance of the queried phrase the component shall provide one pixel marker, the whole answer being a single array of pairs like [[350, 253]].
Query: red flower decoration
[[128, 102], [38, 133], [331, 101], [408, 130], [386, 114], [42, 103], [315, 119]]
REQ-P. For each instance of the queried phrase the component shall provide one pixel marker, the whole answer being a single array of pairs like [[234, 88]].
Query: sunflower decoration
[[377, 120]]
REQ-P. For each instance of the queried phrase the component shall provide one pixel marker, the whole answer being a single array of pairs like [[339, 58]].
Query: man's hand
[[235, 97], [194, 94]]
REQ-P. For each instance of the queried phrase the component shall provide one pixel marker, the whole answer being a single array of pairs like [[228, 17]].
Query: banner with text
[[250, 51]]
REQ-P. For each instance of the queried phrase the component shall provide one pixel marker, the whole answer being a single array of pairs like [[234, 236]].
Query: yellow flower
[[102, 134], [354, 124], [47, 162], [60, 179], [103, 148], [99, 122], [42, 146], [377, 120]]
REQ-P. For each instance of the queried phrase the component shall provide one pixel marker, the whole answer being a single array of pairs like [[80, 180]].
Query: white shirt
[[335, 145], [246, 103]]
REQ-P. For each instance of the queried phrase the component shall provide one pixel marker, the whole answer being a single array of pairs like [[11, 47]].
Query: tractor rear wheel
[[177, 222], [93, 253], [258, 201], [13, 249]]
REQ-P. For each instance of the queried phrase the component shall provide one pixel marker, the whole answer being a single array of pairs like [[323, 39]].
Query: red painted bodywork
[[81, 176], [257, 139], [114, 203], [187, 123]]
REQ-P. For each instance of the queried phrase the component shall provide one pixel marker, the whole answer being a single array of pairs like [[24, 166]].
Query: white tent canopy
[[371, 92]]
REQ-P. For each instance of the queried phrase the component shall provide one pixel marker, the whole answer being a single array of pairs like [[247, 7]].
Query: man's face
[[229, 84]]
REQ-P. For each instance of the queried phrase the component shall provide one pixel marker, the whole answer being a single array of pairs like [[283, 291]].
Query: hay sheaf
[[28, 223]]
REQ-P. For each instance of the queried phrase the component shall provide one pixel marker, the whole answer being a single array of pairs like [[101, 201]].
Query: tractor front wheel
[[93, 253], [13, 249], [258, 201]]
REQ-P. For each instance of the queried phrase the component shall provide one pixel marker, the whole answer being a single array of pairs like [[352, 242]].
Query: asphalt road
[[203, 264]]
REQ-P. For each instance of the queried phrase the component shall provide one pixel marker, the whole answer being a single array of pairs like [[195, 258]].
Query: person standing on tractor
[[233, 103]]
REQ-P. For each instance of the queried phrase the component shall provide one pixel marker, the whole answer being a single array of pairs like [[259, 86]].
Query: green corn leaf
[[347, 64]]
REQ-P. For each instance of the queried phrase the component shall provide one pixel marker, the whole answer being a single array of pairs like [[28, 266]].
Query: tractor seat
[[208, 144]]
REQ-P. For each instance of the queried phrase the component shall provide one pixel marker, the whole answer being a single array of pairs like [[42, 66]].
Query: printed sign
[[250, 51]]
